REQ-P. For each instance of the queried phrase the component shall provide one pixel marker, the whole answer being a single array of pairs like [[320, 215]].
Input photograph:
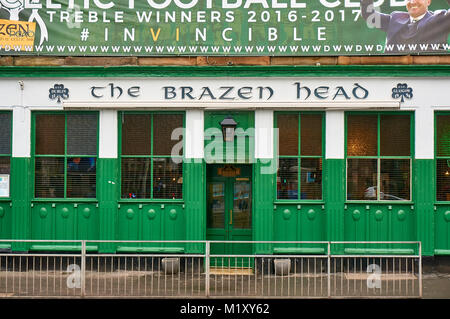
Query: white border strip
[[177, 105]]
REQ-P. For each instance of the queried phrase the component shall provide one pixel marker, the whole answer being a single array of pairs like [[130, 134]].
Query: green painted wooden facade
[[333, 218]]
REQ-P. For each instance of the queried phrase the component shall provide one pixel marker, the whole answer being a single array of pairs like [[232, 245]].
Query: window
[[65, 151], [378, 157], [5, 154], [149, 170], [443, 157], [300, 148]]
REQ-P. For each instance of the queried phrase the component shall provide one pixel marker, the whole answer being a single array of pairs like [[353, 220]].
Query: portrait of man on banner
[[416, 30]]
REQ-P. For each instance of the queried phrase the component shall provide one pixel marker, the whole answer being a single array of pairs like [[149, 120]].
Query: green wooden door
[[229, 209]]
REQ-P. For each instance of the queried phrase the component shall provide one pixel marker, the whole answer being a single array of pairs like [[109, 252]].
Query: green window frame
[[308, 186], [442, 155], [383, 166], [5, 152], [72, 179], [132, 190]]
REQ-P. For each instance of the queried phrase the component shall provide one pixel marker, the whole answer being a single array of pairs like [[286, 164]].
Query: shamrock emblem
[[403, 91], [58, 91]]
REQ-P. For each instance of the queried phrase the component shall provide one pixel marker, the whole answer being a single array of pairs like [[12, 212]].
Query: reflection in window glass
[[287, 180], [136, 134], [362, 179], [50, 134], [136, 178], [288, 134], [216, 206], [443, 180], [167, 178], [49, 177], [362, 135], [395, 137], [163, 127], [443, 135], [311, 178], [81, 177], [5, 133], [395, 179], [5, 165], [242, 206], [82, 134], [311, 134]]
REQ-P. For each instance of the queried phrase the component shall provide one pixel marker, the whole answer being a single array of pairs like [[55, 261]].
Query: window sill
[[384, 202], [150, 201], [65, 200], [299, 202]]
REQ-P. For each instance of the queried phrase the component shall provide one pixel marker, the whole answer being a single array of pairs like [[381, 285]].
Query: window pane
[[287, 182], [311, 178], [395, 179], [49, 181], [361, 179], [81, 177], [136, 134], [443, 135], [362, 135], [443, 180], [167, 178], [5, 133], [5, 167], [311, 134], [136, 178], [163, 126], [395, 135], [287, 134], [82, 134], [50, 133]]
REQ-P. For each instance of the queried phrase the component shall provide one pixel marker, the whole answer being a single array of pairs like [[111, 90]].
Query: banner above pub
[[223, 27]]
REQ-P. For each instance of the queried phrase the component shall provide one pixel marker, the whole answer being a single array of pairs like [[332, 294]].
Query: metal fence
[[296, 270]]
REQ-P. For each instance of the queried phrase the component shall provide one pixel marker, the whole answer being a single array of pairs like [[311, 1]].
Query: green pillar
[[21, 201], [424, 198], [108, 192], [263, 198], [195, 203], [334, 195]]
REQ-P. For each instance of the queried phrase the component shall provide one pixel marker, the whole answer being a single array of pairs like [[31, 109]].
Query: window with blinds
[[65, 155], [300, 156], [151, 168], [442, 157], [378, 157], [5, 153]]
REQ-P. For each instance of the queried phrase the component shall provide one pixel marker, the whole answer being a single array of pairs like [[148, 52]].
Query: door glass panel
[[216, 205], [242, 205]]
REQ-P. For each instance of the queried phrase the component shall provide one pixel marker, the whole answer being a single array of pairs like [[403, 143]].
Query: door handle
[[231, 217]]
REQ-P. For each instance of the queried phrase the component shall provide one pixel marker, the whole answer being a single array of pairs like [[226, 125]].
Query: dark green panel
[[43, 221], [5, 223], [87, 221], [442, 230], [424, 183], [65, 222], [128, 223], [20, 197], [379, 222], [194, 195], [151, 223], [174, 224]]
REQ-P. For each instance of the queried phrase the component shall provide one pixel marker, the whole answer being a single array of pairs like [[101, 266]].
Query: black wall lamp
[[228, 128]]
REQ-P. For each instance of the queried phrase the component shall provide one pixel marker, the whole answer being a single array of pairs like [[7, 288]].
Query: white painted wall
[[264, 134], [108, 134], [194, 134], [334, 134]]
